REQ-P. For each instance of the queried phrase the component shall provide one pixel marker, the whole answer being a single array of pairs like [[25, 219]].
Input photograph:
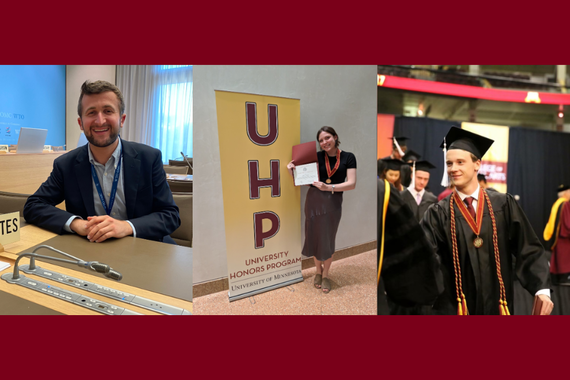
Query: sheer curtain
[[158, 104]]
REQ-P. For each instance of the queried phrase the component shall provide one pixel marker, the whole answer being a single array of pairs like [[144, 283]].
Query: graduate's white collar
[[474, 195], [415, 193]]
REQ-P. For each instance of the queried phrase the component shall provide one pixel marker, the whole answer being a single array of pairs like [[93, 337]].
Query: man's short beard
[[112, 138]]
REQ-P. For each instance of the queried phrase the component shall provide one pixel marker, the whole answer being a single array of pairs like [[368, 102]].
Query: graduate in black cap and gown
[[416, 195], [399, 147], [391, 172], [406, 170], [409, 275], [477, 234]]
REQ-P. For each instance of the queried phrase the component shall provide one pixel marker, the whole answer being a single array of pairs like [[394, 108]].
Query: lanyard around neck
[[113, 189]]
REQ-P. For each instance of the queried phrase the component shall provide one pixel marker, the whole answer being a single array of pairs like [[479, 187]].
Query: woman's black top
[[347, 161]]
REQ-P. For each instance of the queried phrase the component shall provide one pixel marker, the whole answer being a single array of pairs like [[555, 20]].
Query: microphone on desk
[[92, 265], [105, 269], [186, 159]]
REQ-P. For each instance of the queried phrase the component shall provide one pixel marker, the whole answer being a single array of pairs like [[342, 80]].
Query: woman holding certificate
[[323, 207]]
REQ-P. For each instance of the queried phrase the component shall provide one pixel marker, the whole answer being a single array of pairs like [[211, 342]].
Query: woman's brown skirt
[[322, 216]]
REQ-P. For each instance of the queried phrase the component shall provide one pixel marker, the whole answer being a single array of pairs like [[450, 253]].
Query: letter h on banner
[[255, 183]]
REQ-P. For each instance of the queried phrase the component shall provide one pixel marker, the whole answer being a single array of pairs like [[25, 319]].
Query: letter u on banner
[[262, 207]]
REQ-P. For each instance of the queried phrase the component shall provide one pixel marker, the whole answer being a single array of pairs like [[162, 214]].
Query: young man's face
[[421, 180], [461, 168], [101, 120]]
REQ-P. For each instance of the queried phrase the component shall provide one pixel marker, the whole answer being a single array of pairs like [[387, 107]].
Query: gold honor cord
[[462, 304], [384, 212], [503, 308], [328, 165]]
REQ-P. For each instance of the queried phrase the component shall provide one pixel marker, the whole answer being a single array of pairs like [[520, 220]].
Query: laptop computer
[[31, 140]]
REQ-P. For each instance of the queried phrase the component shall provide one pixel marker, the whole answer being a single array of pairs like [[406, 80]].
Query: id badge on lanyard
[[113, 189]]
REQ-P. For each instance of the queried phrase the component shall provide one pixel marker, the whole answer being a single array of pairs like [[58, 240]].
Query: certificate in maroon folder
[[305, 153], [306, 164]]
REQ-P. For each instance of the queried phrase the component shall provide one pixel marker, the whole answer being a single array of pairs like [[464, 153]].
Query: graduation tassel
[[459, 308], [445, 179], [398, 147]]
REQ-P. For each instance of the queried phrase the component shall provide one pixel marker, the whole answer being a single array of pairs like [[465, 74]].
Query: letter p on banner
[[262, 207], [258, 219]]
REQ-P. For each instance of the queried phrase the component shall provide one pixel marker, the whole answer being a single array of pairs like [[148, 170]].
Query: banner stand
[[262, 205], [259, 291]]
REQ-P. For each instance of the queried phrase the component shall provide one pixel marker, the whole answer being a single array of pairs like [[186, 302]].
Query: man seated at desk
[[112, 188]]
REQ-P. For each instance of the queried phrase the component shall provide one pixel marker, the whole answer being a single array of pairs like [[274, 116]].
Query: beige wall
[[75, 76], [343, 97]]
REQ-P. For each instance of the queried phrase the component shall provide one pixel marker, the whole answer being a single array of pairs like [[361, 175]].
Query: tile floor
[[353, 291]]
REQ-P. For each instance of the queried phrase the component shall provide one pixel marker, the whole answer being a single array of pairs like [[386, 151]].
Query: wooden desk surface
[[24, 173], [157, 271]]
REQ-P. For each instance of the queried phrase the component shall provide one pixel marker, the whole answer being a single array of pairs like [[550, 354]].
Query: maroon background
[[295, 32]]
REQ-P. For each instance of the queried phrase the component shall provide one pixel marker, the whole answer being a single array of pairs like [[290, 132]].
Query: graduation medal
[[474, 225], [477, 242], [328, 165]]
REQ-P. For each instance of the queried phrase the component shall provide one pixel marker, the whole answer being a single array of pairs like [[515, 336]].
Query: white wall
[[343, 97], [75, 76]]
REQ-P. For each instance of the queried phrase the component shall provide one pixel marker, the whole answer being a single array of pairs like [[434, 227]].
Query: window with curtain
[[172, 124]]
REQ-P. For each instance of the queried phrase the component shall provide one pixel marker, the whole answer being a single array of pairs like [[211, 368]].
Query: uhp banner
[[262, 210]]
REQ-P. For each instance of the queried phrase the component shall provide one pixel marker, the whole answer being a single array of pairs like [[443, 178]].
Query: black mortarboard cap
[[400, 139], [394, 164], [411, 156], [424, 166], [562, 188], [458, 138]]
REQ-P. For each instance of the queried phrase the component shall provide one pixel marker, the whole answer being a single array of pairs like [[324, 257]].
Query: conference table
[[24, 173], [180, 182], [159, 273]]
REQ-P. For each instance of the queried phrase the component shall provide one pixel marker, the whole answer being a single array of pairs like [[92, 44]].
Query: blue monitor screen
[[32, 96]]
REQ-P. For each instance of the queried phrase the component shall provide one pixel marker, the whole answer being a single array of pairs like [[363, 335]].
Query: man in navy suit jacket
[[112, 188]]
